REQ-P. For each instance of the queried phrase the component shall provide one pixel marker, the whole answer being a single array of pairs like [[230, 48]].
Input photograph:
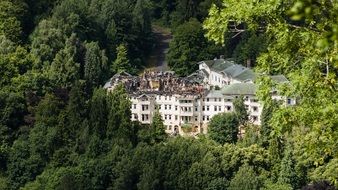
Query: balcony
[[186, 113]]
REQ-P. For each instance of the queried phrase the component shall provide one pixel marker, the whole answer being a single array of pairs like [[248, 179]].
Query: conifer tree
[[121, 63], [95, 65], [64, 70], [157, 128], [240, 110]]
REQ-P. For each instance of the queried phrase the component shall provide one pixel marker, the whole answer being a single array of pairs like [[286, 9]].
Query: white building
[[187, 104]]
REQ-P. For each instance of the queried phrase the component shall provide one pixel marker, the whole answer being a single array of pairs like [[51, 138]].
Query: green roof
[[219, 64], [215, 94], [279, 78], [234, 70], [246, 75], [239, 89]]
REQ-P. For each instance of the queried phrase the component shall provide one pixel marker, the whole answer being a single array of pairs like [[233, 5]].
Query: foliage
[[302, 45], [223, 128], [64, 70], [95, 64], [157, 128], [189, 47], [245, 178], [240, 110], [121, 64], [60, 130]]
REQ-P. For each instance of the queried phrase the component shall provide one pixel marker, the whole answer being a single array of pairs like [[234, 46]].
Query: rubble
[[151, 82]]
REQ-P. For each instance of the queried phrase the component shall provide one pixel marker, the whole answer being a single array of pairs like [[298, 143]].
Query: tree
[[76, 111], [121, 63], [157, 128], [249, 48], [202, 173], [12, 14], [47, 40], [64, 70], [223, 128], [14, 61], [95, 65], [310, 63], [98, 112], [266, 115], [287, 173], [12, 112], [240, 110], [188, 47], [245, 178]]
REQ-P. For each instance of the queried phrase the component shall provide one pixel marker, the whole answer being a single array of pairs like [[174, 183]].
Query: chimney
[[248, 63]]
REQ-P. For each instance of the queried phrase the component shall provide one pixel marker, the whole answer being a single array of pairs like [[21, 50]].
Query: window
[[135, 116], [165, 117], [219, 108], [227, 100], [145, 107], [255, 108], [219, 99], [169, 127], [203, 118], [169, 107], [145, 117], [196, 118], [215, 108], [254, 118], [228, 108], [169, 117], [196, 108], [207, 99], [134, 106], [207, 118], [289, 101], [165, 107], [207, 108], [176, 107], [176, 117], [165, 98], [203, 108]]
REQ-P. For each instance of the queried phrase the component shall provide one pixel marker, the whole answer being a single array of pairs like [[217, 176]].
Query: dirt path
[[156, 60]]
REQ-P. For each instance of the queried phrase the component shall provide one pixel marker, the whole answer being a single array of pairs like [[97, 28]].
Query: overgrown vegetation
[[60, 130]]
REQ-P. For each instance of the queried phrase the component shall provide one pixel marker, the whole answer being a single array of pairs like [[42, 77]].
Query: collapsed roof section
[[158, 83]]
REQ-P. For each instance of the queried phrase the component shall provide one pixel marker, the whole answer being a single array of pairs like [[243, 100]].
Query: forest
[[60, 130]]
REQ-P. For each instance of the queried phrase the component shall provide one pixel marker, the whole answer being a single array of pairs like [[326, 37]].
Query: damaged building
[[188, 103]]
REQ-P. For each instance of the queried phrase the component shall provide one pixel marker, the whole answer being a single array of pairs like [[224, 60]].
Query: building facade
[[187, 104]]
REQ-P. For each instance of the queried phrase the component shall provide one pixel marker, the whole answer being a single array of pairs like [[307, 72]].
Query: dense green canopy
[[60, 130]]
